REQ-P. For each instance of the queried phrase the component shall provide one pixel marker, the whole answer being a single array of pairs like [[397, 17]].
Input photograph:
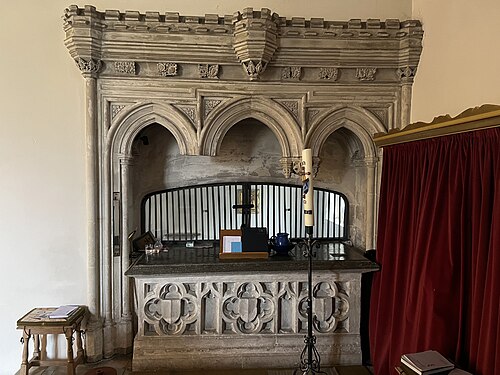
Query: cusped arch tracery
[[127, 125], [270, 113], [359, 121]]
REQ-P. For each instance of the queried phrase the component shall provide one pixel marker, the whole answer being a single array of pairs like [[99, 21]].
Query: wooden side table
[[37, 322]]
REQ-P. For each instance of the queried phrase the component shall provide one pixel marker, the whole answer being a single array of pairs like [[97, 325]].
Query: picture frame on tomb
[[231, 246]]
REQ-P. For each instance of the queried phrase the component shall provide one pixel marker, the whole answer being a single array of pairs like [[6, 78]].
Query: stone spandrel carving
[[167, 69], [125, 67], [328, 73], [290, 165], [115, 109], [208, 71], [209, 105], [366, 74], [291, 72], [90, 66]]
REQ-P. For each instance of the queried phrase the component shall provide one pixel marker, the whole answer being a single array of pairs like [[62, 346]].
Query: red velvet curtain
[[439, 250]]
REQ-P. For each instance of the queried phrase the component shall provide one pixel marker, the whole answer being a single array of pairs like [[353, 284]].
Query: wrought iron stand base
[[310, 360]]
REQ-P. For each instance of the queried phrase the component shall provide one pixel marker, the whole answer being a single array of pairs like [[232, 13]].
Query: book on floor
[[426, 363]]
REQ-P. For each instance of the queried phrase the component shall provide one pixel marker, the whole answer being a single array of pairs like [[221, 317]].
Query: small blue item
[[236, 247]]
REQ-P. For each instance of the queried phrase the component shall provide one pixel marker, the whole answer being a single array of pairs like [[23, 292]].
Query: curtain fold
[[438, 246]]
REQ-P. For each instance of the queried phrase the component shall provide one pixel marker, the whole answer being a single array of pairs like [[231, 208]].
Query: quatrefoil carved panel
[[249, 309], [172, 311], [330, 308]]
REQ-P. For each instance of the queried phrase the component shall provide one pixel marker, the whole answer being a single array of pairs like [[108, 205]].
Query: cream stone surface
[[44, 217]]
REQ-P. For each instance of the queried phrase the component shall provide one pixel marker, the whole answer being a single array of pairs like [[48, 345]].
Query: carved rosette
[[125, 67], [208, 71], [366, 74], [328, 73], [167, 69], [255, 39], [407, 73], [90, 66]]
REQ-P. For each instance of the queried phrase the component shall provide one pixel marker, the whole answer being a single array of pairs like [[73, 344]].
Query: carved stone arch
[[270, 113], [131, 121], [361, 122]]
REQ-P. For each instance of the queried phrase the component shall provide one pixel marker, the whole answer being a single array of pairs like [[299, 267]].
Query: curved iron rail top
[[200, 212]]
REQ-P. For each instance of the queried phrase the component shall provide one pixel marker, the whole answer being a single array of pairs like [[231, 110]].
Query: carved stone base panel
[[244, 320], [218, 352]]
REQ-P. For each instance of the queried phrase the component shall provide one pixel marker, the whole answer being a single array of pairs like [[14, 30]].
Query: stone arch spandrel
[[361, 122], [270, 113], [130, 122]]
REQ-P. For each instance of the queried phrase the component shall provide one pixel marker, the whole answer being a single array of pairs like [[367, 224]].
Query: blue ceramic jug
[[282, 240]]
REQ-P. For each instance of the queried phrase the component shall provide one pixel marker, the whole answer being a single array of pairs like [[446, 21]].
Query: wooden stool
[[37, 322]]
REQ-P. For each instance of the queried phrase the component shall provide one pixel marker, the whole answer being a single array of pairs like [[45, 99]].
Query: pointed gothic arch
[[270, 113], [131, 121], [359, 121]]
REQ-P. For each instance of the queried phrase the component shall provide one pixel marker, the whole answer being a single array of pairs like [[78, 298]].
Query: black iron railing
[[199, 212]]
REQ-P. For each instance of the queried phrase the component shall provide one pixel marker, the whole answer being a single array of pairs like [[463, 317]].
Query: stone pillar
[[406, 75], [371, 164], [90, 69], [126, 314]]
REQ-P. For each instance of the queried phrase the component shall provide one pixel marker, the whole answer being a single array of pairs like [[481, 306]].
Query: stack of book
[[429, 362]]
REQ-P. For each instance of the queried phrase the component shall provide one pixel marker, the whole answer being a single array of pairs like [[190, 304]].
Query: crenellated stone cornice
[[247, 39]]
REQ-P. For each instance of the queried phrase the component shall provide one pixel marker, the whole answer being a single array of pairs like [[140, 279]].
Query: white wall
[[460, 63], [42, 200]]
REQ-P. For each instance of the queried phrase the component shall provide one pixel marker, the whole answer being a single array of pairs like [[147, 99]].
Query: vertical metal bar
[[196, 215], [328, 215], [178, 214], [190, 211], [213, 211], [231, 206], [150, 217], [224, 202], [335, 225], [202, 202]]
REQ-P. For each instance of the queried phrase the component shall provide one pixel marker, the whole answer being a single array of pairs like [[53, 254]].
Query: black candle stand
[[310, 360]]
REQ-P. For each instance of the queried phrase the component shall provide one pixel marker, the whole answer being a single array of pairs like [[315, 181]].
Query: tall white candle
[[307, 189]]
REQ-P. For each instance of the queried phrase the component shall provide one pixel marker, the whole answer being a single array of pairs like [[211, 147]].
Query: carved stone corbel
[[255, 39], [292, 164]]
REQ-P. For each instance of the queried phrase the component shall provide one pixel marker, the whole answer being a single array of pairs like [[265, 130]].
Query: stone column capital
[[89, 67]]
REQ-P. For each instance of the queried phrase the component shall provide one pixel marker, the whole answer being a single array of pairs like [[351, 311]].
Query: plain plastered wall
[[42, 141], [460, 59]]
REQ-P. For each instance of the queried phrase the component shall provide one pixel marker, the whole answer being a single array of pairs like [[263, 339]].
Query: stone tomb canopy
[[198, 77]]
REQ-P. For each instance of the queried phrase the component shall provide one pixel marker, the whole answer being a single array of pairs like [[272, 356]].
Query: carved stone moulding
[[366, 74], [208, 71], [328, 73], [291, 72], [89, 66], [293, 165], [407, 73]]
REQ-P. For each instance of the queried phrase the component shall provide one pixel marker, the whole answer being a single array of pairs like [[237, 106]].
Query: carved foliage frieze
[[328, 73], [208, 71], [366, 74], [291, 72], [189, 111], [254, 68], [125, 67], [167, 69], [251, 307]]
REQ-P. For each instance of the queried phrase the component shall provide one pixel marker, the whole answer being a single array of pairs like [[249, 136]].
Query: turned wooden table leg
[[36, 351], [68, 332], [25, 367], [79, 346]]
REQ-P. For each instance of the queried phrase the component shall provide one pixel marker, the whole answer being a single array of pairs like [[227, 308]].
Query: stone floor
[[123, 366]]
